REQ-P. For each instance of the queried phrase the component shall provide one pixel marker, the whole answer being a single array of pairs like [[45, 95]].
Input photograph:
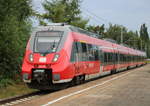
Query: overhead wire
[[93, 18], [96, 17]]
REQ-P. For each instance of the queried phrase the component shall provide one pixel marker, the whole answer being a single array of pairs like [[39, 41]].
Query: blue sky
[[129, 13]]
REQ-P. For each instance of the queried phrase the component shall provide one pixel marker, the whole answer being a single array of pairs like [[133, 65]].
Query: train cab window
[[47, 41]]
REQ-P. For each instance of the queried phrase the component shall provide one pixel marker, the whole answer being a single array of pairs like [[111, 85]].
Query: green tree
[[100, 30], [144, 33], [14, 32], [130, 38], [145, 41], [114, 32], [66, 11]]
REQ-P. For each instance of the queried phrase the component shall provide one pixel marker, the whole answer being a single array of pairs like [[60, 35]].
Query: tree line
[[68, 11], [14, 32], [16, 26]]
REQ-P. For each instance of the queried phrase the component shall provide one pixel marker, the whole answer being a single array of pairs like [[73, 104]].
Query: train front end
[[45, 59]]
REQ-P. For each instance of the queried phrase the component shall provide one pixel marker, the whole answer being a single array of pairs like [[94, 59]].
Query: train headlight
[[31, 57], [55, 57]]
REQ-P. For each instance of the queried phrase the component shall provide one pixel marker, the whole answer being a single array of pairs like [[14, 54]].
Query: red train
[[59, 54]]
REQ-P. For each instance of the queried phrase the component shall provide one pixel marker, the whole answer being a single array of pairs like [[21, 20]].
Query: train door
[[115, 57], [101, 59], [116, 60], [97, 56], [81, 62], [75, 58], [85, 64], [93, 58]]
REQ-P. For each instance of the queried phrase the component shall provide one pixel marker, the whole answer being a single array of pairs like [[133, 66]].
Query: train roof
[[106, 45], [64, 27]]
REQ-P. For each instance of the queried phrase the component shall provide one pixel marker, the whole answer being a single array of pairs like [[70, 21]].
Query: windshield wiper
[[51, 47], [54, 46]]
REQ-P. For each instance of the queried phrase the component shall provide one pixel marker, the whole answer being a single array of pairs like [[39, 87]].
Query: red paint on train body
[[66, 53]]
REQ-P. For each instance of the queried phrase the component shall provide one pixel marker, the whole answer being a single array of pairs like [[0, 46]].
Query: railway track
[[22, 98]]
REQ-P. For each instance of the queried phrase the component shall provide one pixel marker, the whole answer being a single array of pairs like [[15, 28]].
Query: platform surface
[[129, 88]]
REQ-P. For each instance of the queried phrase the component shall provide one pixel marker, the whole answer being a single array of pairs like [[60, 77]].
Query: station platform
[[132, 89], [128, 88]]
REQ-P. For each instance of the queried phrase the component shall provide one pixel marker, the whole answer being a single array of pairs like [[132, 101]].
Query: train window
[[46, 41], [79, 48], [116, 57], [123, 56], [113, 57], [101, 55], [124, 59], [109, 58], [91, 52], [128, 58], [74, 53], [119, 58], [105, 57], [84, 48], [84, 52], [96, 52]]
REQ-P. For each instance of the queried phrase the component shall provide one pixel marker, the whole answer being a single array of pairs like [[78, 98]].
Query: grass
[[14, 90]]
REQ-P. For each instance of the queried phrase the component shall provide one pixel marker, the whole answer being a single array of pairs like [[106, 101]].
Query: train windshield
[[47, 42]]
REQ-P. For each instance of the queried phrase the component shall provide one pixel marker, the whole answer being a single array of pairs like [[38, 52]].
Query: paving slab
[[129, 88]]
